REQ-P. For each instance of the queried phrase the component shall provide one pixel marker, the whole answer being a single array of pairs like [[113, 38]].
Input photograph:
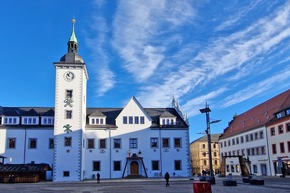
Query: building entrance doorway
[[264, 169], [134, 168]]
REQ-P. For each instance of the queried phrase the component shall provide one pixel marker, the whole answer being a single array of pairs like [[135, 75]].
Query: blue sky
[[231, 54]]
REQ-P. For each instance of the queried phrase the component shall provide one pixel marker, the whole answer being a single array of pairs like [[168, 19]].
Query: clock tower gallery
[[70, 114]]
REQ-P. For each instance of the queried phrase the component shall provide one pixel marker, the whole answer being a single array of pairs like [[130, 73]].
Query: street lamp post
[[206, 110]]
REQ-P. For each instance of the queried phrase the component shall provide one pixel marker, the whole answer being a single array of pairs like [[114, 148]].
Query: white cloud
[[229, 55], [104, 77], [139, 29], [258, 88]]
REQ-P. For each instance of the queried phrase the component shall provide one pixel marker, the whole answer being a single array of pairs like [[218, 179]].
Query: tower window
[[68, 114], [67, 141], [69, 94]]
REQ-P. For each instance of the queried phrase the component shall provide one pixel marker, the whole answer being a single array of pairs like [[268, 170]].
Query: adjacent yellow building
[[199, 154]]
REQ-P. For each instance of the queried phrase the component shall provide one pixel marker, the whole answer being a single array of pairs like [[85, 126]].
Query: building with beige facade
[[199, 154]]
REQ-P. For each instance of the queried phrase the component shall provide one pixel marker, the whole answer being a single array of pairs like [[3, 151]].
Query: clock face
[[69, 76]]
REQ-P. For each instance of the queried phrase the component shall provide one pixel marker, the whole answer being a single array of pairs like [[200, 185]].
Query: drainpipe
[[25, 140], [160, 150], [110, 154], [268, 151]]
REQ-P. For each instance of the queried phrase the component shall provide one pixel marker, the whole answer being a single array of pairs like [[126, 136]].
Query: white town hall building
[[78, 142]]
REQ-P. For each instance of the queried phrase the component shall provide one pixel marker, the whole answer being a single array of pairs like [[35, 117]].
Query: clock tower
[[70, 114]]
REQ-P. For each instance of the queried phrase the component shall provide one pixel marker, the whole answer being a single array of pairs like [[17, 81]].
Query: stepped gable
[[258, 116]]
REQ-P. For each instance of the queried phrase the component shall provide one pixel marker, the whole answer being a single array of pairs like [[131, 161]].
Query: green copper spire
[[73, 42], [73, 36]]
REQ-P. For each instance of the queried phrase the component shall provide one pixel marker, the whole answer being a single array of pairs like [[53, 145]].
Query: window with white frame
[[47, 120], [168, 121], [30, 120], [154, 142], [133, 143], [11, 120], [97, 121]]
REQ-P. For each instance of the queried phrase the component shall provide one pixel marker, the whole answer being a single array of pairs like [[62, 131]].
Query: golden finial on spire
[[73, 21]]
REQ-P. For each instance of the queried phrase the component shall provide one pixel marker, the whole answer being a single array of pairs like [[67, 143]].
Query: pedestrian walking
[[166, 177], [98, 177], [283, 170]]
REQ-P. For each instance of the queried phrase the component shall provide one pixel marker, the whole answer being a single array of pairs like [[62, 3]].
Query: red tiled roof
[[257, 116]]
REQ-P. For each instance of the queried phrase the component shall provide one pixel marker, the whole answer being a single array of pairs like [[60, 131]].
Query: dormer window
[[47, 120], [30, 120], [168, 121], [10, 120], [97, 120]]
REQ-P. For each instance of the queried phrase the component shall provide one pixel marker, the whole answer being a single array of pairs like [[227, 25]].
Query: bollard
[[202, 187]]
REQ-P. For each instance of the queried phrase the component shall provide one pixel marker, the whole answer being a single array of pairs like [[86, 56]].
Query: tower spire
[[73, 42]]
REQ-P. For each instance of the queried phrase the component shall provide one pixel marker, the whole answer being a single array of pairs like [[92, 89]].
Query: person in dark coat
[[166, 177], [283, 170], [98, 177]]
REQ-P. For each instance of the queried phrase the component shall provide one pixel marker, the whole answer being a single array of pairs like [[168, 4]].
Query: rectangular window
[[243, 152], [117, 143], [263, 150], [253, 151], [177, 164], [248, 152], [272, 130], [11, 143], [225, 143], [251, 137], [229, 143], [255, 168], [69, 94], [233, 141], [117, 165], [91, 143], [125, 120], [242, 139], [274, 149], [288, 144], [133, 143], [154, 142], [102, 144], [203, 146], [165, 142], [96, 166], [237, 140], [32, 143], [261, 135], [130, 120], [67, 141], [51, 143], [136, 120], [68, 114], [101, 121], [204, 162], [65, 173], [155, 165], [282, 148], [142, 120], [221, 144], [256, 136], [288, 127], [280, 129], [177, 142], [247, 138], [258, 151]]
